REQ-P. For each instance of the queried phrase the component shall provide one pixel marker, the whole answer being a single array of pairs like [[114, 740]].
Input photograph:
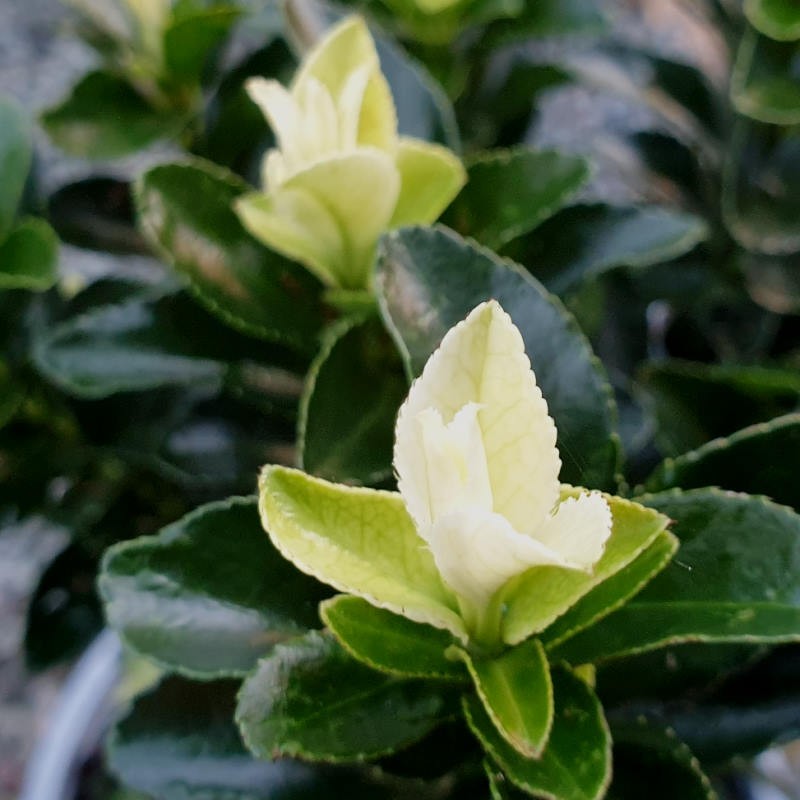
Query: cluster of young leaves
[[180, 382]]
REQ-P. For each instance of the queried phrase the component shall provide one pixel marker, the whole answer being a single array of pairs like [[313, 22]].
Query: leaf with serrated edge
[[517, 694], [209, 594], [360, 541], [575, 765], [510, 192], [614, 592], [538, 596], [310, 699], [388, 642]]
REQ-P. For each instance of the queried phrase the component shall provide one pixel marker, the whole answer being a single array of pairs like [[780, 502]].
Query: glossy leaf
[[614, 591], [353, 390], [104, 117], [778, 19], [388, 642], [552, 18], [429, 279], [179, 742], [693, 403], [360, 541], [517, 693], [575, 765], [16, 152], [311, 699], [510, 192], [185, 209], [762, 459], [140, 345], [585, 241], [29, 256], [537, 597], [736, 578], [209, 594], [651, 761]]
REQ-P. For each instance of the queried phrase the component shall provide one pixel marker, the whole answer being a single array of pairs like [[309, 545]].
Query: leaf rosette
[[341, 175]]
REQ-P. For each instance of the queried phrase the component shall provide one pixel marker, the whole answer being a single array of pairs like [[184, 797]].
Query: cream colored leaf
[[579, 529], [482, 360]]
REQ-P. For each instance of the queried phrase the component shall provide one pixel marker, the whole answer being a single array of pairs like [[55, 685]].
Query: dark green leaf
[[64, 613], [29, 257], [96, 213], [510, 192], [778, 19], [551, 18], [585, 241], [761, 459], [186, 211], [16, 151], [576, 764], [140, 345], [353, 390], [209, 594], [309, 698], [736, 578], [613, 592], [694, 403], [191, 38], [761, 189], [429, 279], [651, 761], [105, 117], [388, 642], [764, 85], [517, 693], [179, 743]]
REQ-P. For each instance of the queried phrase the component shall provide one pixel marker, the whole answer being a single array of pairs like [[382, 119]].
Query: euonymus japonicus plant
[[570, 681]]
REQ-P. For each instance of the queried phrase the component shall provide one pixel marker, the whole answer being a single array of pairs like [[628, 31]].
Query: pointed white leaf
[[482, 360], [579, 529], [477, 552]]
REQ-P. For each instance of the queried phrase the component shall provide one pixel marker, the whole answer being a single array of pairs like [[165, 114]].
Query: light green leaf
[[575, 765], [537, 597], [763, 84], [361, 541], [430, 177], [388, 642], [614, 591], [778, 19], [210, 594], [311, 699], [314, 220], [16, 152], [517, 694], [29, 256], [510, 192], [104, 117]]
